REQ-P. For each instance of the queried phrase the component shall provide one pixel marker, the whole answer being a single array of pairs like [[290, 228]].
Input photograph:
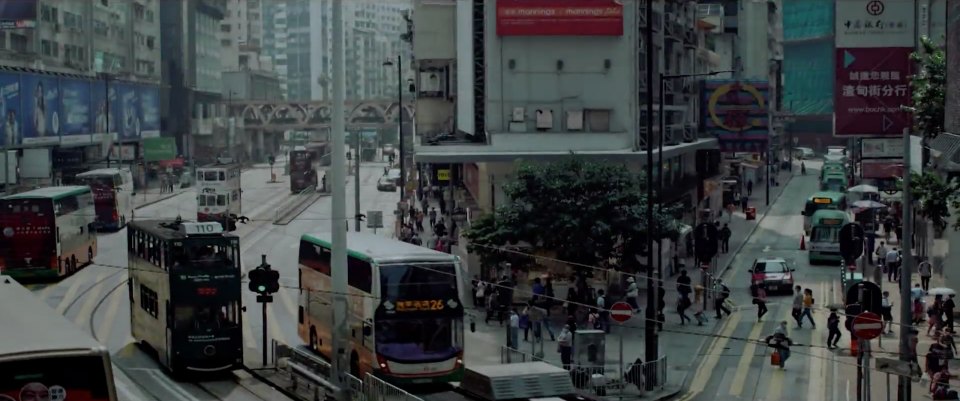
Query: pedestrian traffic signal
[[851, 242], [271, 159]]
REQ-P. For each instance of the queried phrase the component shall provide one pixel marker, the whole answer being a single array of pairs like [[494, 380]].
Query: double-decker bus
[[219, 194], [112, 196], [405, 309], [303, 173], [47, 232], [825, 235], [184, 292], [821, 201], [44, 356]]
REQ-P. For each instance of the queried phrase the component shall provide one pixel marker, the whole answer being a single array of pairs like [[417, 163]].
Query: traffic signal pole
[[340, 333], [906, 245]]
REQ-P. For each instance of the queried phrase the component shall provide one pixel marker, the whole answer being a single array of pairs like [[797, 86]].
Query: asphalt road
[[733, 365], [95, 297]]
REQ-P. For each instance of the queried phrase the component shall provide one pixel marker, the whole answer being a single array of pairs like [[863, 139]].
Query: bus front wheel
[[355, 364]]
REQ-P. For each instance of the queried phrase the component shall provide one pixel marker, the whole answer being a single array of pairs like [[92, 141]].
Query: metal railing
[[375, 389], [604, 379]]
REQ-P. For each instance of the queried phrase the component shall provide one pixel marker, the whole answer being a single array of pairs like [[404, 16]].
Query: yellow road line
[[106, 322], [702, 376], [71, 292], [743, 367], [92, 297]]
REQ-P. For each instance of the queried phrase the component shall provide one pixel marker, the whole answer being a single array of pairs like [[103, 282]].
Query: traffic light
[[272, 278], [271, 159], [258, 280]]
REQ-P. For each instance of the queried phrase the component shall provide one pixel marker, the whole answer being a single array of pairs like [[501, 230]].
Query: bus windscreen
[[74, 378], [418, 283]]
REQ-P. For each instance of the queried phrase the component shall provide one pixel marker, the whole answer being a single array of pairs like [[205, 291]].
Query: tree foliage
[[929, 88], [584, 212], [934, 196]]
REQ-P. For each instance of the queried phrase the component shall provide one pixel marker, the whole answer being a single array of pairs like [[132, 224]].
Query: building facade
[[298, 38], [491, 91], [241, 37]]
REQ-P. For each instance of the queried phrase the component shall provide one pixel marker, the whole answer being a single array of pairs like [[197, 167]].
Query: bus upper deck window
[[201, 200], [221, 200], [210, 176], [200, 176]]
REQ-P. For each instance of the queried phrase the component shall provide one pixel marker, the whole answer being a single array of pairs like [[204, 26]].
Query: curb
[[699, 351], [160, 199]]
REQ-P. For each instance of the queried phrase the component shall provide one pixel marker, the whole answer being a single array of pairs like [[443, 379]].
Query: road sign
[[867, 326], [621, 312], [872, 296], [374, 219], [851, 242], [705, 241]]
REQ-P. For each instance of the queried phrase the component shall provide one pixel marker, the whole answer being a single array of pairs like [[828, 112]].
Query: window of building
[[224, 27], [149, 16], [225, 42], [18, 42], [45, 47], [3, 40]]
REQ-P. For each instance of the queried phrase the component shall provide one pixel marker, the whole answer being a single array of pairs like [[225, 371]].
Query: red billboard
[[871, 85], [559, 18]]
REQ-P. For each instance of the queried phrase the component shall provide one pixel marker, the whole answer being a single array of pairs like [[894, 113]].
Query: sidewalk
[[487, 340]]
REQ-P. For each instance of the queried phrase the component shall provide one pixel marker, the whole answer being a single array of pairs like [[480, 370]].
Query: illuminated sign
[[822, 201], [206, 291], [417, 306], [831, 222]]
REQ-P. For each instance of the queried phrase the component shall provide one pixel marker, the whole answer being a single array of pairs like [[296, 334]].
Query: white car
[[386, 184], [394, 174]]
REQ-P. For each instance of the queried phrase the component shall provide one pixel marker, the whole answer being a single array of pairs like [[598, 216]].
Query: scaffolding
[[808, 66]]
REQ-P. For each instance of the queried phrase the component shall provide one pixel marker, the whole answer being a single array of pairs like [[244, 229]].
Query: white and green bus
[[405, 308], [825, 236]]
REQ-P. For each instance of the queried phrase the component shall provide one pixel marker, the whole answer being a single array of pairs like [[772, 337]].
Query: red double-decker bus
[[303, 174]]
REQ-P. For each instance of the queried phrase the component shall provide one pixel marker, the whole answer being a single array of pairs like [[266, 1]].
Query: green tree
[[581, 211], [929, 88], [934, 196]]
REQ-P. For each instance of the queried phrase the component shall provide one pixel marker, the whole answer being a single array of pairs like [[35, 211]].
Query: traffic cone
[[803, 242]]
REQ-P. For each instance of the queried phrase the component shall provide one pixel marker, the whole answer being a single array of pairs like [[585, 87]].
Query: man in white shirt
[[514, 330], [893, 262], [925, 268]]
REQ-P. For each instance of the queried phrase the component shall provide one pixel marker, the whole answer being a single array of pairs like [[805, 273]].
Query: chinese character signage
[[418, 306], [871, 85], [875, 23], [559, 18], [737, 114]]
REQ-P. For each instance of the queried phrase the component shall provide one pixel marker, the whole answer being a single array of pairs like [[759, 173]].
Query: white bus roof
[[51, 192], [102, 171], [380, 249], [219, 166], [31, 326]]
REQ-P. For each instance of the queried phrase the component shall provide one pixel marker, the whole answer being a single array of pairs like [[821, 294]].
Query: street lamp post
[[106, 87], [661, 117], [651, 346], [400, 146]]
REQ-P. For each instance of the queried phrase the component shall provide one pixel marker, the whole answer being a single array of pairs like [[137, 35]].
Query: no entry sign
[[621, 312], [867, 326]]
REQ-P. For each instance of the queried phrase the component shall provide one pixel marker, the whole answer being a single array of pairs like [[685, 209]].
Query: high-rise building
[[298, 38], [241, 36]]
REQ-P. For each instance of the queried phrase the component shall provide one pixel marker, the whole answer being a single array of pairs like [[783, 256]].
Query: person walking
[[948, 307], [698, 305], [632, 293], [881, 254], [433, 217], [886, 310], [565, 346], [891, 259], [808, 306], [514, 330], [725, 234], [750, 188], [797, 306], [604, 313], [759, 299], [925, 268], [684, 284], [780, 343], [833, 328], [723, 293], [683, 303], [744, 201], [934, 314]]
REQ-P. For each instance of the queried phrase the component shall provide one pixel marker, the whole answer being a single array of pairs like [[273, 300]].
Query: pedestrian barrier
[[610, 379], [375, 389]]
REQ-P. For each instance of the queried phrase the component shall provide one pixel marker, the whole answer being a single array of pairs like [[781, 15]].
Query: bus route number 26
[[414, 306]]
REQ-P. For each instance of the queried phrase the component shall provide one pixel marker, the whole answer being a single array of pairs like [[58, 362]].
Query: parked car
[[386, 184], [773, 274], [394, 174]]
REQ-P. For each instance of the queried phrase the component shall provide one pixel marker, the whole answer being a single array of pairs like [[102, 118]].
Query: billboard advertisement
[[149, 111], [17, 14], [75, 103], [41, 104], [129, 121], [875, 23], [871, 85], [10, 107], [881, 148], [737, 114], [952, 120], [101, 116], [559, 18]]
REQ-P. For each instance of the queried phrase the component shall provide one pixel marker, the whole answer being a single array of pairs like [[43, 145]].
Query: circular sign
[[875, 7], [621, 312], [867, 326]]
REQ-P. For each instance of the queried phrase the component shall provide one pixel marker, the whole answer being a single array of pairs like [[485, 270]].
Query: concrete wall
[[434, 115], [434, 31], [535, 81]]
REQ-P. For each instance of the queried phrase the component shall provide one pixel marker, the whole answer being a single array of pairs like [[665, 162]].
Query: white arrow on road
[[766, 248]]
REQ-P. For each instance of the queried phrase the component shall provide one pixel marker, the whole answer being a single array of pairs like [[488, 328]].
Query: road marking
[[288, 301], [248, 331], [275, 332], [766, 248], [104, 329], [702, 376], [120, 382], [91, 300], [71, 291], [775, 384], [170, 385], [743, 367]]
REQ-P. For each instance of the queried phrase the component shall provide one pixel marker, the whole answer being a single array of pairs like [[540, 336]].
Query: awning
[[945, 152]]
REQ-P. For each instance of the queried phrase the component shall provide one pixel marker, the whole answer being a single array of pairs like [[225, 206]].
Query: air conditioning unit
[[544, 119], [518, 114], [575, 120]]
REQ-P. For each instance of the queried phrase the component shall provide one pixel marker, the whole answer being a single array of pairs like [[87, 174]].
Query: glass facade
[[808, 56]]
